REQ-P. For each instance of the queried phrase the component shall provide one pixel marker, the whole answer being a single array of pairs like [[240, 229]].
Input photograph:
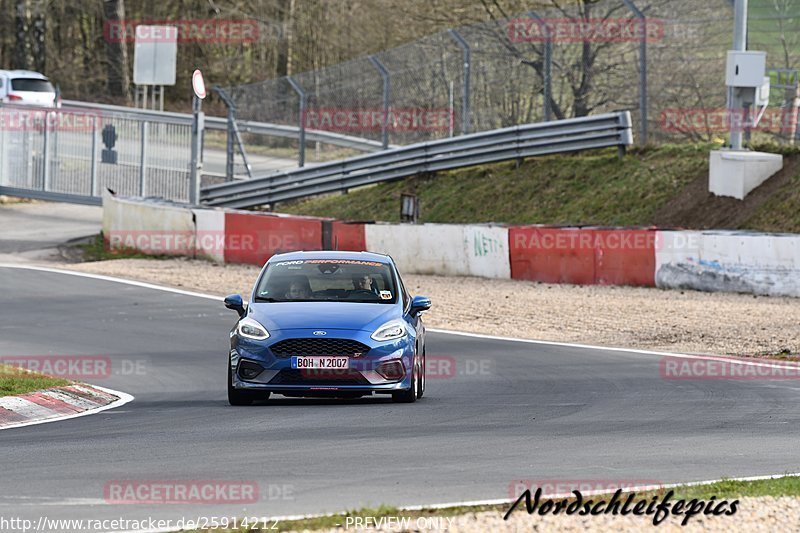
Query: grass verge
[[725, 489], [15, 381]]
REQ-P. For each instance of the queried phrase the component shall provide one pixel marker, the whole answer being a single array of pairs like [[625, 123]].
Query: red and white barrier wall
[[726, 261]]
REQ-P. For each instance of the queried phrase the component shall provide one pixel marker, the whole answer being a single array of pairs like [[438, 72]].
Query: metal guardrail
[[221, 123], [599, 131]]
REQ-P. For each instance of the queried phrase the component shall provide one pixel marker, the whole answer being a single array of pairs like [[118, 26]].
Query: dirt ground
[[677, 321]]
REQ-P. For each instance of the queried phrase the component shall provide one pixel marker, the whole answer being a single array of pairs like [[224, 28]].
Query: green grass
[[726, 489], [96, 250], [588, 188], [14, 381]]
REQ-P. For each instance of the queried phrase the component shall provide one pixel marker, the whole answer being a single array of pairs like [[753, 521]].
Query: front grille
[[318, 377], [329, 347]]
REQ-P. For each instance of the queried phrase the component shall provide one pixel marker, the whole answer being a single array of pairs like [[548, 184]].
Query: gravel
[[677, 321]]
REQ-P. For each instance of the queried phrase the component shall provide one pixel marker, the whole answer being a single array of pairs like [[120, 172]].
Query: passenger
[[299, 289]]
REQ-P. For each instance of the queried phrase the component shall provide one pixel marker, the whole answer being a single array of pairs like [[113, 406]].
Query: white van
[[25, 87]]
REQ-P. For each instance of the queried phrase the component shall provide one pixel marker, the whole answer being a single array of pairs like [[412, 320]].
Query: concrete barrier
[[443, 249], [726, 261], [252, 238], [210, 234], [150, 227], [583, 256], [717, 261]]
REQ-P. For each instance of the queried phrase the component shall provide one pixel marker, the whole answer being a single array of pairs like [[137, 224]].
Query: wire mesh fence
[[664, 60]]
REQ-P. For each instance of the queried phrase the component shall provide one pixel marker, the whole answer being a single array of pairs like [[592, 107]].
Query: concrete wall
[[444, 249], [726, 261], [717, 261]]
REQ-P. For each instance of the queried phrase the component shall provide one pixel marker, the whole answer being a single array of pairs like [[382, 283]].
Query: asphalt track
[[534, 411]]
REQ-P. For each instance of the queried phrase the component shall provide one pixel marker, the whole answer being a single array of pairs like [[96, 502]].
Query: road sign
[[155, 55], [198, 84]]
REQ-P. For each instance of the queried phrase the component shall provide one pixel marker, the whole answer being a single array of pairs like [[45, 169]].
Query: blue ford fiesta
[[335, 324]]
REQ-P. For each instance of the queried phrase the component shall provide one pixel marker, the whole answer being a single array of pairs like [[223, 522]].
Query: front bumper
[[361, 378]]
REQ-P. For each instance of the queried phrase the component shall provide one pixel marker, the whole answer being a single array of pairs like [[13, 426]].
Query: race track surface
[[512, 411]]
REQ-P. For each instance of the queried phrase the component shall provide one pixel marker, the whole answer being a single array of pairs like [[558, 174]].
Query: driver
[[363, 282]]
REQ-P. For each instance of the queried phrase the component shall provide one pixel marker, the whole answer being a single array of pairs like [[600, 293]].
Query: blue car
[[330, 324]]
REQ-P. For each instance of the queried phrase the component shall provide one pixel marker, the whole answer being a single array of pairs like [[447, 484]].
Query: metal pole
[[93, 183], [642, 70], [196, 164], [386, 87], [465, 111], [46, 156], [301, 158], [547, 71], [143, 158], [739, 45]]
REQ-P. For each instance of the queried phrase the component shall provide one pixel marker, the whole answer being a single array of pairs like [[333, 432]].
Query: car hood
[[323, 315]]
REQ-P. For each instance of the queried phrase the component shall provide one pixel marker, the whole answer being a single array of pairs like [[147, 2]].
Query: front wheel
[[410, 395]]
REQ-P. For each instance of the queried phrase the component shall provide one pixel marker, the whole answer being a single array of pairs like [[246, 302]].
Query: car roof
[[336, 254], [23, 74]]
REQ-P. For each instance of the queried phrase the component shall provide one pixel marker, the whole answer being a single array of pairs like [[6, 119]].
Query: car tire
[[410, 395], [236, 397], [421, 377]]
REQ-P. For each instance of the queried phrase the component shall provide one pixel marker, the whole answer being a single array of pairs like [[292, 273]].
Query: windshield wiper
[[265, 299]]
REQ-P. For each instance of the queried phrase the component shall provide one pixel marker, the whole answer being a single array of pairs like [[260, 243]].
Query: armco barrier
[[260, 236], [443, 249], [583, 256], [728, 261]]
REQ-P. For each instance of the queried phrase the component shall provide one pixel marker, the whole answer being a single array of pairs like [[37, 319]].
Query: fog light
[[249, 369], [391, 370]]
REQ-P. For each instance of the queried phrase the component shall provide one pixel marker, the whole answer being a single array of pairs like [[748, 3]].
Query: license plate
[[320, 362]]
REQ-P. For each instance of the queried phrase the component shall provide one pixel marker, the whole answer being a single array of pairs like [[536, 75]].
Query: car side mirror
[[234, 301], [419, 304]]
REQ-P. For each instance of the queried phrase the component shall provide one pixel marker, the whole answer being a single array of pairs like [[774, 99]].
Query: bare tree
[[118, 80]]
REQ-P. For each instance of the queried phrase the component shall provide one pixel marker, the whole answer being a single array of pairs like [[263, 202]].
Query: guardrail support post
[[642, 70], [46, 155], [93, 182], [465, 111], [301, 158], [198, 124], [233, 135], [386, 88], [143, 158]]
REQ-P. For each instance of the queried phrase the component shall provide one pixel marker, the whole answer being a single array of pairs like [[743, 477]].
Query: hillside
[[664, 186]]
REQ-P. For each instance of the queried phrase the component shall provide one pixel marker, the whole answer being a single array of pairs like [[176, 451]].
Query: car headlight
[[394, 329], [251, 329]]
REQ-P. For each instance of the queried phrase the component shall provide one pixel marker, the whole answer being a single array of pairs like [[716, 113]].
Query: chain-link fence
[[662, 59]]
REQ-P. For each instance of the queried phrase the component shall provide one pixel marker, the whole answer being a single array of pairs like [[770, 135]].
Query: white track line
[[447, 332]]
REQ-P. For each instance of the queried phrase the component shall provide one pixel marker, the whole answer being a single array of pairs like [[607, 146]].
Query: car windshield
[[332, 280], [32, 85]]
